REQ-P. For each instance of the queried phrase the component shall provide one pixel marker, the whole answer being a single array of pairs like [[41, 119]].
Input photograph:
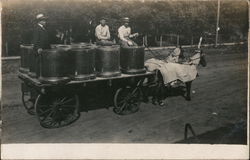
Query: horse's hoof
[[162, 104], [188, 98]]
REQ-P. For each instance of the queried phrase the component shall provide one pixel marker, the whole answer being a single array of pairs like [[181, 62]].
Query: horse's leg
[[188, 89], [160, 92]]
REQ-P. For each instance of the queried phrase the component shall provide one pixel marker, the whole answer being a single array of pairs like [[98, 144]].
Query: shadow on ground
[[229, 134]]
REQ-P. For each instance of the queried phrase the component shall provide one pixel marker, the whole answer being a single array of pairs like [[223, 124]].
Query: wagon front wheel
[[57, 110], [127, 100]]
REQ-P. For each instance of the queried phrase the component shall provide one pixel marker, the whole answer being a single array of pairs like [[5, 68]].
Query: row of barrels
[[81, 61]]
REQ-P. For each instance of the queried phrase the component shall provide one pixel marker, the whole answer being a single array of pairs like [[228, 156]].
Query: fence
[[12, 48]]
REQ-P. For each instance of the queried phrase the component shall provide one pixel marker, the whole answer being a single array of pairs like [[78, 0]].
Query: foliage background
[[185, 18]]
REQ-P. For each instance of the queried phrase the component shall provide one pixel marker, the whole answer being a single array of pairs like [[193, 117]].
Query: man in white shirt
[[102, 33], [124, 34]]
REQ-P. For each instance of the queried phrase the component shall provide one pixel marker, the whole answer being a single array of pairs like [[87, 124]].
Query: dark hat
[[103, 18], [40, 17]]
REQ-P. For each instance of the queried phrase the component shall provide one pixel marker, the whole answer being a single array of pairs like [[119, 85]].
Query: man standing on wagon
[[40, 40], [124, 34], [41, 36]]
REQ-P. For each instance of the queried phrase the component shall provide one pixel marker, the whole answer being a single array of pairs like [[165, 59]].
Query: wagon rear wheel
[[127, 100], [57, 110], [28, 99]]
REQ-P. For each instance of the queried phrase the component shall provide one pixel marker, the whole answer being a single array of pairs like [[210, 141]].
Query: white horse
[[157, 65]]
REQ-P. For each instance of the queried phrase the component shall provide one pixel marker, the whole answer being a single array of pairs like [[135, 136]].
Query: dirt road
[[219, 98]]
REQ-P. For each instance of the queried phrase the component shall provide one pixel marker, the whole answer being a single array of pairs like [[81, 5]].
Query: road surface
[[219, 99]]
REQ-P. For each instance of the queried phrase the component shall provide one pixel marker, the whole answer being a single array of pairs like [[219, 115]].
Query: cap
[[40, 17]]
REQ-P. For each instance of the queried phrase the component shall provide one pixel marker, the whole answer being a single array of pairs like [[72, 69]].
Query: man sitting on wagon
[[124, 34], [102, 33]]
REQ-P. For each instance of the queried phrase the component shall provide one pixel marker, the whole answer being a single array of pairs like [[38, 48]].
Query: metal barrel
[[84, 63], [33, 59], [26, 51], [132, 60], [56, 66], [108, 61]]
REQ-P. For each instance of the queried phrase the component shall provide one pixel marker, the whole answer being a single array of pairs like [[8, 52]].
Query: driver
[[124, 34]]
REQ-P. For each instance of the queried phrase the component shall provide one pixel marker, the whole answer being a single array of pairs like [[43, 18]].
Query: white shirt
[[102, 32], [41, 26], [124, 33]]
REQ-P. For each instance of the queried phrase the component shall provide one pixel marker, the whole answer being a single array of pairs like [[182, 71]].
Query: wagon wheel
[[127, 100], [57, 110], [28, 99]]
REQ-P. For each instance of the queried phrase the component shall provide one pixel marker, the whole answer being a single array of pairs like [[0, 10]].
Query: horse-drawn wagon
[[55, 91], [54, 96]]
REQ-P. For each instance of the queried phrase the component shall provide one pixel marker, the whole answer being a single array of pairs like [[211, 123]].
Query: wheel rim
[[54, 111], [126, 101], [28, 102]]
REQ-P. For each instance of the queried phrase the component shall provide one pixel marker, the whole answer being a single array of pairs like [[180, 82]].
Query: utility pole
[[217, 23]]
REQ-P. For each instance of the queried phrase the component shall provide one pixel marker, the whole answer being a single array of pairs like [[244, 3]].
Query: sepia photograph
[[130, 72]]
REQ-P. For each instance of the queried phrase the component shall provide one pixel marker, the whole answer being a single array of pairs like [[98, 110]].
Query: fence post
[[192, 41], [178, 40], [161, 40], [143, 40], [6, 49], [217, 23]]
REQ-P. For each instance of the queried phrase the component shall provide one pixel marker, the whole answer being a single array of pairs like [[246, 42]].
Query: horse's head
[[198, 58], [203, 61]]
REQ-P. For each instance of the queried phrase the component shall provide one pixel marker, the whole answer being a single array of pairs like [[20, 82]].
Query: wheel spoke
[[123, 106], [67, 101], [45, 106], [41, 114], [48, 115], [68, 106], [122, 101]]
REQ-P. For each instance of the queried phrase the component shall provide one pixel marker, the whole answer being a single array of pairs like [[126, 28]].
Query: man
[[91, 32], [174, 56], [102, 33], [124, 34], [40, 40], [40, 36]]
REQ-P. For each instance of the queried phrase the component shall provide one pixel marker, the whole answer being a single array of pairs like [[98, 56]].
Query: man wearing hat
[[102, 33], [40, 40], [124, 34], [40, 36]]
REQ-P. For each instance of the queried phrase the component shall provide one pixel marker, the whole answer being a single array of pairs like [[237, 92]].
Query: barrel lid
[[60, 46], [82, 44], [109, 48], [133, 47], [26, 45], [82, 48], [50, 50]]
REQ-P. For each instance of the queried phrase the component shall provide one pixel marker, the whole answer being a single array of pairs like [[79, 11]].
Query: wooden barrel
[[56, 66], [84, 63], [26, 51], [132, 60], [108, 61]]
